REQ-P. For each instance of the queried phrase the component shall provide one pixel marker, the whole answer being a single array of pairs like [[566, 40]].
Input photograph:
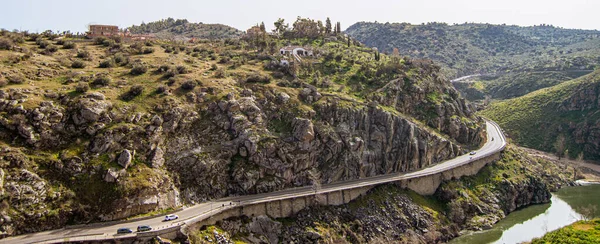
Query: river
[[566, 207]]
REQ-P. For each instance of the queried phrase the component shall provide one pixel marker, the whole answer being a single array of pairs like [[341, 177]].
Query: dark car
[[124, 231], [143, 228]]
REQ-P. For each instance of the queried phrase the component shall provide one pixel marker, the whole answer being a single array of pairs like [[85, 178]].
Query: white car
[[171, 217], [472, 153]]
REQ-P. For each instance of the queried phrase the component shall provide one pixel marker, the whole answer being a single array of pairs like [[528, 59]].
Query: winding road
[[106, 231]]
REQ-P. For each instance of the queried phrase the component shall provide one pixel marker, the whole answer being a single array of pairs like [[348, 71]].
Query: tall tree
[[328, 26], [262, 27], [280, 26]]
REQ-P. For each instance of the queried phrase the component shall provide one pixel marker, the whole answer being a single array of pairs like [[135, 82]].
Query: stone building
[[103, 30]]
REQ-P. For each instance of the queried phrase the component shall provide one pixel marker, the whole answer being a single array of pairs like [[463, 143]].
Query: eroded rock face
[[125, 158]]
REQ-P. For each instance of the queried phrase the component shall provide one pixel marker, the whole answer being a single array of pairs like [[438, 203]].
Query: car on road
[[143, 228], [472, 153], [124, 231], [171, 217]]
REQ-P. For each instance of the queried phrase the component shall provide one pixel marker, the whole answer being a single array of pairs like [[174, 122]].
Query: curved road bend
[[108, 231]]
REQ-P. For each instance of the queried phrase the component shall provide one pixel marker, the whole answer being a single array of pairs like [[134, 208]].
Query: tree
[[559, 146], [262, 27], [338, 28], [328, 26], [305, 27], [280, 26]]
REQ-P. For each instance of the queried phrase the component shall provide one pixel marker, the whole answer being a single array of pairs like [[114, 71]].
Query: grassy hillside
[[579, 232], [182, 29], [568, 110]]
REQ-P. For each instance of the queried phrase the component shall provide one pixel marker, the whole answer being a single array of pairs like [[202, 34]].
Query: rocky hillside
[[400, 216], [563, 118], [182, 29], [104, 130], [466, 49]]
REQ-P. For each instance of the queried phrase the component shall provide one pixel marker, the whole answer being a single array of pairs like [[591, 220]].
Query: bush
[[182, 69], [99, 40], [82, 87], [101, 81], [163, 68], [133, 92], [258, 78], [109, 63], [149, 43], [83, 54], [5, 44], [3, 82], [189, 85], [60, 42], [15, 79], [51, 49], [214, 67], [69, 45], [138, 69], [161, 89], [120, 59], [108, 43], [78, 64], [171, 81], [171, 73], [42, 43], [220, 73], [148, 50]]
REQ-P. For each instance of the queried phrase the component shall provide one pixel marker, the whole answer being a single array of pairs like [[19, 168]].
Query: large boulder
[[125, 158], [303, 129]]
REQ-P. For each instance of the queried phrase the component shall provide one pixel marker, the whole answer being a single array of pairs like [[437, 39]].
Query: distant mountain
[[570, 110], [183, 29], [484, 48]]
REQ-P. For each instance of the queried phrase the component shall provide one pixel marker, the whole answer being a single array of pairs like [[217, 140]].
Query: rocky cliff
[[388, 214], [103, 154]]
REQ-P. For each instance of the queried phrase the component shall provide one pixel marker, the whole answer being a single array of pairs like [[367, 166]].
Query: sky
[[75, 15]]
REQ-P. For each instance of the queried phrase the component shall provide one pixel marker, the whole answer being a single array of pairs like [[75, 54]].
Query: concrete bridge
[[283, 203]]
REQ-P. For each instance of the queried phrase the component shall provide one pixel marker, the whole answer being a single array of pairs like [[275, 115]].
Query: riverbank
[[590, 170], [585, 231]]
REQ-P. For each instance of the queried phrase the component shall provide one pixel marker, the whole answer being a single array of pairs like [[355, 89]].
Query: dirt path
[[590, 169]]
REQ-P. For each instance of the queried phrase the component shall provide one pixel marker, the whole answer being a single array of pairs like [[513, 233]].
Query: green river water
[[566, 207]]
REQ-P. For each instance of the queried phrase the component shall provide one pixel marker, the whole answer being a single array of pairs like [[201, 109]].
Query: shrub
[[60, 42], [182, 69], [51, 48], [138, 69], [109, 63], [133, 92], [171, 73], [78, 64], [83, 54], [5, 44], [148, 50], [163, 68], [42, 43], [258, 78], [99, 40], [171, 81], [3, 82], [120, 59], [101, 81], [224, 60], [214, 67], [220, 73], [15, 79], [168, 50], [108, 43], [149, 43], [189, 85], [69, 45], [161, 89], [82, 87]]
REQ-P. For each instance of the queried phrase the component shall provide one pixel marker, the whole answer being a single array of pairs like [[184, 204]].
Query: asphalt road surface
[[495, 143]]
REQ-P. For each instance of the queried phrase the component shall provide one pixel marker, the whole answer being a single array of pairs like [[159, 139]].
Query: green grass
[[536, 119], [579, 232]]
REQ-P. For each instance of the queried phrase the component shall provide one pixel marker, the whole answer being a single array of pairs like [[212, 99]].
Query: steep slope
[[106, 130], [568, 110], [388, 214], [182, 29]]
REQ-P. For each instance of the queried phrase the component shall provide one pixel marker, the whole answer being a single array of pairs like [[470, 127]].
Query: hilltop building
[[103, 30], [295, 50]]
